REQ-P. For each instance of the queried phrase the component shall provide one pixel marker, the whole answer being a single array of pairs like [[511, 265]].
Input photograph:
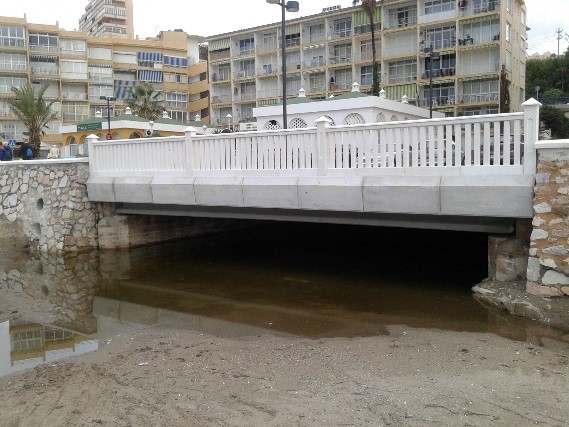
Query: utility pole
[[559, 37]]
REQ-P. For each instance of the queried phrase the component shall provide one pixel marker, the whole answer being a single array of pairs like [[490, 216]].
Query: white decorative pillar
[[531, 134], [322, 125], [189, 133], [90, 140]]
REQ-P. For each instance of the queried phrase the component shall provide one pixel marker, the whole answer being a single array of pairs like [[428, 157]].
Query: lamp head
[[292, 6], [273, 1]]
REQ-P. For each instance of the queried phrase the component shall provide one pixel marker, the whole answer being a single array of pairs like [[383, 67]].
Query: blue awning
[[150, 57], [150, 76], [123, 87], [174, 61]]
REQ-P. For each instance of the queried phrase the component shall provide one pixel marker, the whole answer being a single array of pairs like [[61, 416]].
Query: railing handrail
[[456, 145]]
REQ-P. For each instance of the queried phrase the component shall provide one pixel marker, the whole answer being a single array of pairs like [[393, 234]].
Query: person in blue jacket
[[5, 152]]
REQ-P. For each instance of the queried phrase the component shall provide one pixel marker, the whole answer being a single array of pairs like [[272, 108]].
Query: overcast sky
[[209, 18]]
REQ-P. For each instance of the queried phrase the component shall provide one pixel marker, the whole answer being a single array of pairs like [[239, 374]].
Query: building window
[[316, 32], [440, 38], [7, 82], [343, 79], [317, 82], [442, 94], [293, 39], [11, 36], [246, 46], [444, 66], [176, 100], [343, 27], [480, 32], [366, 74], [402, 16], [343, 53], [438, 6], [13, 61], [508, 32], [43, 42], [402, 71], [480, 91], [74, 112], [179, 116], [509, 5], [479, 111]]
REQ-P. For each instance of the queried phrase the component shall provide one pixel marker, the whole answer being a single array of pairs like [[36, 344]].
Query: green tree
[[369, 7], [145, 102], [33, 111], [554, 119], [550, 73]]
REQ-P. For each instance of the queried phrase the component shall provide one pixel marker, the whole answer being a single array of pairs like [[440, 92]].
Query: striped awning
[[150, 76], [395, 93], [149, 57], [219, 44], [360, 17], [122, 88], [292, 29], [174, 61]]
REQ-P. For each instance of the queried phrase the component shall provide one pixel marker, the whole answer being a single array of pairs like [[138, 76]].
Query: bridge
[[461, 173]]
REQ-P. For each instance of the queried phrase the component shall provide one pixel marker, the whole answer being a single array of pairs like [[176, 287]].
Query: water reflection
[[24, 345], [295, 280]]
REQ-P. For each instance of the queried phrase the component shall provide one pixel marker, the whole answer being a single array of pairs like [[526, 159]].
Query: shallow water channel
[[306, 280]]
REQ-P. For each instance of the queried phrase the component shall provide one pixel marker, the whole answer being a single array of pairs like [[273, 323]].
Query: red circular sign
[[109, 136]]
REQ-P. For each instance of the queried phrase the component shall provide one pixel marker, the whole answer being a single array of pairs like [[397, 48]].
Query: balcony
[[268, 93], [317, 88], [339, 60], [472, 8], [74, 96], [366, 29], [315, 38], [220, 99], [243, 74], [247, 96], [13, 67], [439, 72], [438, 101], [402, 19], [483, 98], [221, 76], [315, 63], [267, 47], [44, 71], [44, 48], [340, 35], [246, 51], [469, 41], [267, 70], [219, 55]]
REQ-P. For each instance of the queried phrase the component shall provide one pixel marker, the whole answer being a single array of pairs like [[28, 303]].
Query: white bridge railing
[[491, 144]]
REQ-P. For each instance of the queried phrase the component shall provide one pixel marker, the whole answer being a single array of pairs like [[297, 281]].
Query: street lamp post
[[229, 122], [108, 99], [428, 51], [289, 6]]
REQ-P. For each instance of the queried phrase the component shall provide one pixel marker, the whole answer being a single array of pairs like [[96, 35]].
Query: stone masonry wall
[[548, 263], [50, 202]]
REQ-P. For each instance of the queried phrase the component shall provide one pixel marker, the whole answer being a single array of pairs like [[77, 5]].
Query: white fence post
[[322, 125], [92, 155], [189, 133], [531, 134]]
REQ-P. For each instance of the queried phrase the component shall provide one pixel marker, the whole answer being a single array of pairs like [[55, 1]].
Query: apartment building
[[80, 69], [477, 44], [108, 18]]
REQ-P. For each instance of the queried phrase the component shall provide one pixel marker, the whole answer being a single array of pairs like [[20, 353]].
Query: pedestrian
[[26, 150], [6, 155]]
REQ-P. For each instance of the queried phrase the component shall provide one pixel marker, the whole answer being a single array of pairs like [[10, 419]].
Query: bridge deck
[[481, 167]]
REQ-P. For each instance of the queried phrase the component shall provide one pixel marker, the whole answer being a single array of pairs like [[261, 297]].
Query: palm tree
[[369, 7], [144, 101], [32, 110]]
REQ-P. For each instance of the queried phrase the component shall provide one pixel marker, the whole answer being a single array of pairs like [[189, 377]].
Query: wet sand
[[408, 377]]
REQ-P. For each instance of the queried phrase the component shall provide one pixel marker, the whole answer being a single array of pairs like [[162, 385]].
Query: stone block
[[133, 189], [331, 193], [565, 290], [544, 291], [169, 190], [273, 192], [407, 194], [533, 271], [552, 277], [219, 191], [539, 234]]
